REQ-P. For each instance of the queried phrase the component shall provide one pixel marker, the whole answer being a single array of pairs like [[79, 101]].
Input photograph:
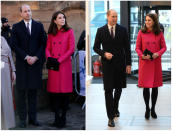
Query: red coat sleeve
[[163, 45], [139, 45], [48, 47]]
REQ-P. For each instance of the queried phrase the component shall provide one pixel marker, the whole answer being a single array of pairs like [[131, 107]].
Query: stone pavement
[[75, 119]]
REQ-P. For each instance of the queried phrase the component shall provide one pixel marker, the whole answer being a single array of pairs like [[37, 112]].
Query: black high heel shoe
[[147, 114], [153, 114]]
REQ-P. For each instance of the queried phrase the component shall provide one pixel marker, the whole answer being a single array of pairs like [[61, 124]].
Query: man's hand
[[28, 58], [146, 57], [155, 55], [31, 60], [108, 55], [128, 69]]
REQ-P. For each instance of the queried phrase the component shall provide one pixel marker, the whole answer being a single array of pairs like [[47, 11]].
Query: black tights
[[146, 95], [59, 101]]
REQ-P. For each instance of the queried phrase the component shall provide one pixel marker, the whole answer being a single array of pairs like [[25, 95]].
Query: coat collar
[[116, 30], [25, 29]]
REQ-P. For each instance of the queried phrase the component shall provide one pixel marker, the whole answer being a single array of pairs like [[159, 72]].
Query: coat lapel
[[33, 28], [107, 33], [116, 31], [24, 27]]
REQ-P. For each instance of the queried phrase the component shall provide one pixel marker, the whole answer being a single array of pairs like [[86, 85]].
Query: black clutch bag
[[148, 52], [52, 64]]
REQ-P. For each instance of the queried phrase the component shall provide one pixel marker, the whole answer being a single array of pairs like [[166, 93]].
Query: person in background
[[7, 81], [60, 46], [5, 30], [150, 38], [81, 42]]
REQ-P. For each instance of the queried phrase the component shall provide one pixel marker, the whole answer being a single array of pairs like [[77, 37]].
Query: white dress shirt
[[109, 27], [30, 25]]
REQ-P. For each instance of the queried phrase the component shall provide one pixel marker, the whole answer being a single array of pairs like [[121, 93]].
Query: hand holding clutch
[[52, 64], [148, 52]]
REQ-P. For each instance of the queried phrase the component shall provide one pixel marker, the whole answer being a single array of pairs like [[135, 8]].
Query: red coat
[[150, 71], [61, 47]]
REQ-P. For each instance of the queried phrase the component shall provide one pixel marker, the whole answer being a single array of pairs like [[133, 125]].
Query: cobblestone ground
[[75, 119]]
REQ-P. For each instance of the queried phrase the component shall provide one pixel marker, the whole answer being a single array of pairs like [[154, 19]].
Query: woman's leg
[[64, 107], [55, 103], [154, 99], [146, 96]]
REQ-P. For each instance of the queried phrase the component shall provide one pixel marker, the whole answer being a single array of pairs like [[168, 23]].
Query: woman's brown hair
[[53, 27], [156, 27]]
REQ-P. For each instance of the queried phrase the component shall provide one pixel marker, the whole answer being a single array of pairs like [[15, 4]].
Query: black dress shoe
[[111, 123], [117, 114], [147, 114], [22, 124], [35, 123], [153, 114]]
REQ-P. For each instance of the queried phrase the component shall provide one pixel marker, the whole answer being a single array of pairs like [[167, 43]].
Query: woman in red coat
[[150, 46], [60, 45]]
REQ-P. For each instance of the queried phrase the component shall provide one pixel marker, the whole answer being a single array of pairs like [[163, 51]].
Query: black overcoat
[[114, 70], [23, 44]]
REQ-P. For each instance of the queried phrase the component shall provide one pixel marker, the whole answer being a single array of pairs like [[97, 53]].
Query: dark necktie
[[28, 28], [112, 32]]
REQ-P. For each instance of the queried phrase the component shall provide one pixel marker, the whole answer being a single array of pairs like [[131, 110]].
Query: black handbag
[[148, 52], [52, 64]]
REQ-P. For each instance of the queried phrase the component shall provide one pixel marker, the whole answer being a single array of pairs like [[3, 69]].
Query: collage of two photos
[[86, 65]]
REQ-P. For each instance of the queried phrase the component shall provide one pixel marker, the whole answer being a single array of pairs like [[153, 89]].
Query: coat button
[[52, 54], [147, 43], [54, 43], [59, 42], [58, 54]]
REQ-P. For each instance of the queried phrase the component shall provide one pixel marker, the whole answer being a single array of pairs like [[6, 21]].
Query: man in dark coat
[[5, 30], [116, 62], [28, 42], [81, 42]]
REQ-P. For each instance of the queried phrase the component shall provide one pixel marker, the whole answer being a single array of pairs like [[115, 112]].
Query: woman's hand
[[155, 55], [146, 57], [13, 77]]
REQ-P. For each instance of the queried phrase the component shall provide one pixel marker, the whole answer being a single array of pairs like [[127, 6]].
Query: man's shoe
[[111, 123], [22, 124], [117, 114], [35, 123]]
